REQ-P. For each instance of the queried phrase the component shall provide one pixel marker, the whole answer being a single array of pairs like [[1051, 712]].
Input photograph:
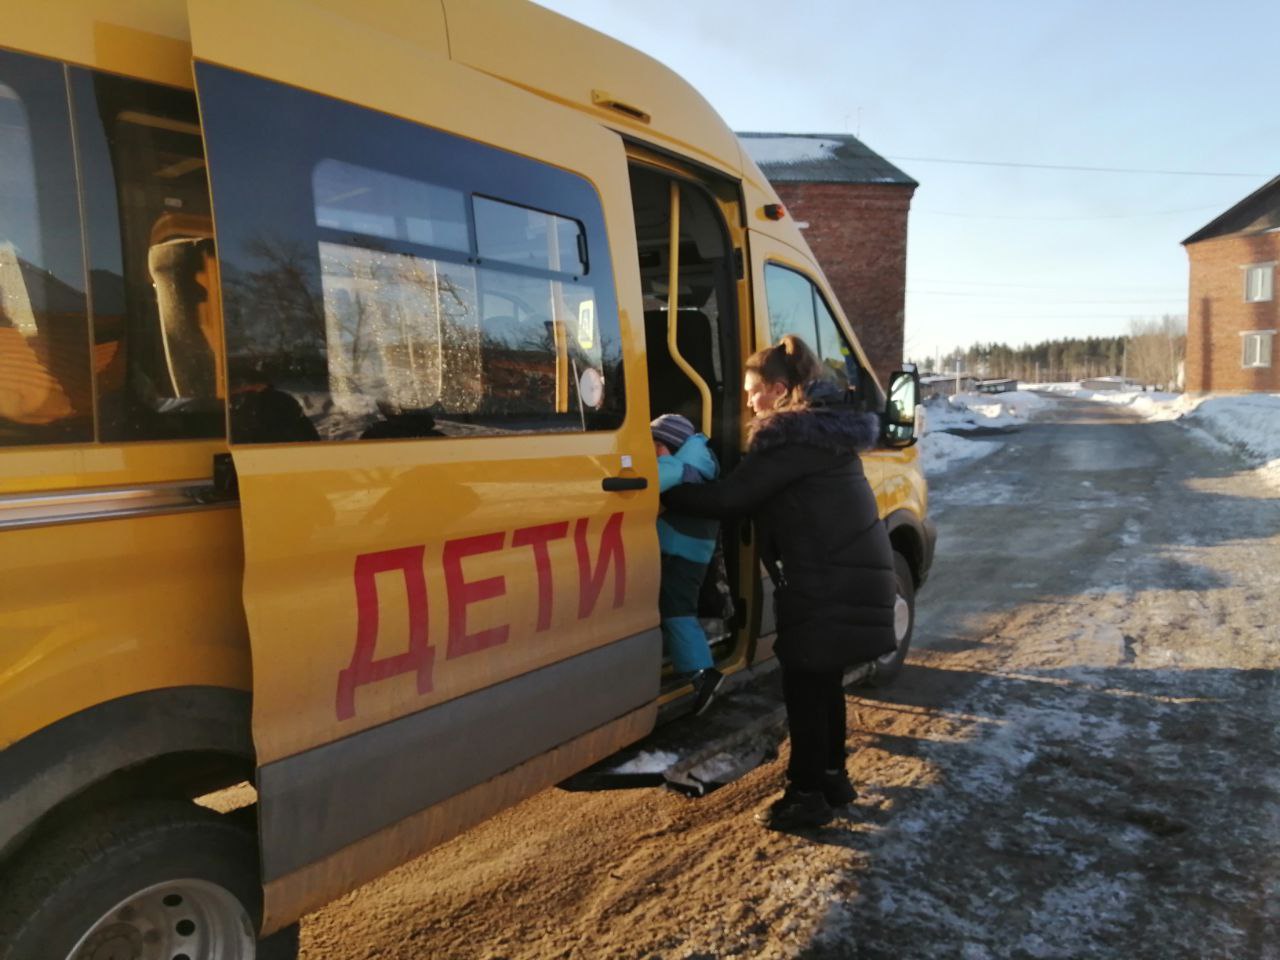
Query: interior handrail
[[673, 312]]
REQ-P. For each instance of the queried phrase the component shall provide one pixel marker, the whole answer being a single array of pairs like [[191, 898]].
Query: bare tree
[[1155, 350]]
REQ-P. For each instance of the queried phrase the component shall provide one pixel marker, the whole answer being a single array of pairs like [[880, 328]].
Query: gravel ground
[[1079, 761]]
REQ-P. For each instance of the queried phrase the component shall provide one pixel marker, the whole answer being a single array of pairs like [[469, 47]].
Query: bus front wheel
[[161, 878]]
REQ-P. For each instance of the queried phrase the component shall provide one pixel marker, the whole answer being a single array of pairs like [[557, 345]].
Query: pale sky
[[996, 252]]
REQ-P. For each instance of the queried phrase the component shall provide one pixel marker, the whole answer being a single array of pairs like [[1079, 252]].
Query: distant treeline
[[1152, 353]]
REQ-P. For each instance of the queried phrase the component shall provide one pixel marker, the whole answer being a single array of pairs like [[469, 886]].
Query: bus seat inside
[[180, 269], [670, 390]]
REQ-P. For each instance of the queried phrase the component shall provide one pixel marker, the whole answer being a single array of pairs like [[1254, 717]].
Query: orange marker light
[[774, 211]]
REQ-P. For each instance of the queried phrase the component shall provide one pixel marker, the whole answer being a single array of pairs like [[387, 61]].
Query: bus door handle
[[618, 484]]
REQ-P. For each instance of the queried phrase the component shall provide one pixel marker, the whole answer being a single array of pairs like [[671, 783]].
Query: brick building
[[855, 204], [1233, 315]]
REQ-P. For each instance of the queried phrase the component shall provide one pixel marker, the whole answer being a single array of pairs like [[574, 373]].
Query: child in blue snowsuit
[[687, 545]]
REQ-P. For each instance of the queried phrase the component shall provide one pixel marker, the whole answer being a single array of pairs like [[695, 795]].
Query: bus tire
[[164, 874], [886, 669]]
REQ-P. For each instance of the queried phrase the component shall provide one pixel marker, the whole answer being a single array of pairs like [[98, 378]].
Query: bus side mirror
[[899, 419]]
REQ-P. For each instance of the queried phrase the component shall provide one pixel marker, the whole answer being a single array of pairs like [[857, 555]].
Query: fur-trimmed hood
[[825, 421]]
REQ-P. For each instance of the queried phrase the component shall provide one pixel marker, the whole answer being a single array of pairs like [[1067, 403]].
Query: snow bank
[[941, 449], [1251, 423], [972, 411], [1151, 404]]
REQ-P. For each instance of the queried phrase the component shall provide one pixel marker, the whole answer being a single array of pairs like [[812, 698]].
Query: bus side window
[[153, 271], [841, 361], [790, 300], [797, 306], [386, 280], [45, 378]]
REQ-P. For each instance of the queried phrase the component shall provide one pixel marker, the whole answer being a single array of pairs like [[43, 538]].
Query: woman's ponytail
[[789, 362]]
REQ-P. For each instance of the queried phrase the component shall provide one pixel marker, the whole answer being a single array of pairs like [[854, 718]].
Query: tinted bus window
[[796, 306], [377, 204], [46, 386], [832, 347], [531, 238], [790, 300], [153, 273], [382, 279]]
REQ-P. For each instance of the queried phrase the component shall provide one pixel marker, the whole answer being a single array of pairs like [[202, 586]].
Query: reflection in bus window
[[357, 285], [790, 297], [387, 316], [154, 276], [832, 348], [529, 238], [45, 379], [378, 204], [796, 306], [395, 323]]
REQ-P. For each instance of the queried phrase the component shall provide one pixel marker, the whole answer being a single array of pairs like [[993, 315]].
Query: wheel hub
[[177, 920], [901, 618], [901, 626], [117, 941]]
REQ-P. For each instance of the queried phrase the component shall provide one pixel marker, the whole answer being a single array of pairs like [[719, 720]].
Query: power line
[[1077, 318], [1023, 299], [1104, 216], [1055, 166], [1046, 286]]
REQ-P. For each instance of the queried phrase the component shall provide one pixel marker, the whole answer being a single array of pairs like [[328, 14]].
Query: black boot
[[706, 683], [838, 789], [796, 809]]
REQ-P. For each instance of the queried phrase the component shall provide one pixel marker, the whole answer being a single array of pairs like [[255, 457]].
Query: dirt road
[[1081, 759]]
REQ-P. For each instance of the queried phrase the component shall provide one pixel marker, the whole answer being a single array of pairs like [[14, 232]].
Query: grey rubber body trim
[[317, 802]]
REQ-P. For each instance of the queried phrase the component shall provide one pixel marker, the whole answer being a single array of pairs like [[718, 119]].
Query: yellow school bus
[[330, 333]]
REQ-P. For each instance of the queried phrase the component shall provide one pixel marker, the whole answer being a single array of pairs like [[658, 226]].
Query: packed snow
[[945, 417], [972, 411], [1248, 423], [657, 761]]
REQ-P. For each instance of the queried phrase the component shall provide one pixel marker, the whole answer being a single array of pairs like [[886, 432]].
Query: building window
[[385, 280], [1257, 348], [1258, 282]]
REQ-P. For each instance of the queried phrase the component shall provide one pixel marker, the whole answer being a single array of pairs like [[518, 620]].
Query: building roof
[[1256, 213], [820, 158]]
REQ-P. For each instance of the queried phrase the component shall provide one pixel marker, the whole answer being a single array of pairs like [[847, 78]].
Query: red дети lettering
[[591, 581], [463, 592], [419, 657], [538, 538]]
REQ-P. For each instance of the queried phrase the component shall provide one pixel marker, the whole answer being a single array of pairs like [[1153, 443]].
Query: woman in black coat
[[824, 547]]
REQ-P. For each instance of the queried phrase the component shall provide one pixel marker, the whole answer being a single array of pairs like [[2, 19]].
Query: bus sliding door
[[450, 560]]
